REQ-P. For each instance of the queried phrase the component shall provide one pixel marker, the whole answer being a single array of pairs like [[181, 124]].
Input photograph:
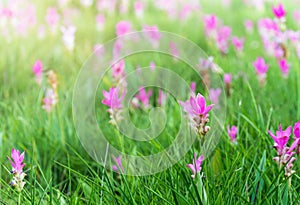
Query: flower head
[[196, 106], [297, 130], [284, 67], [123, 27], [112, 98], [196, 166], [279, 11], [119, 165], [238, 43], [281, 138], [227, 78], [144, 97], [232, 132], [214, 95], [17, 164], [260, 66]]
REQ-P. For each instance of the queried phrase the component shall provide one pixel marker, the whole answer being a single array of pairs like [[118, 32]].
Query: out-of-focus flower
[[206, 63], [119, 166], [296, 15], [37, 69], [197, 111], [100, 20], [86, 3], [52, 18], [279, 11], [118, 71], [152, 65], [214, 95], [162, 97], [174, 50], [261, 69], [139, 9], [222, 38], [123, 27], [50, 99], [210, 23], [284, 67], [248, 26], [144, 97], [68, 37], [17, 164], [232, 132], [238, 43], [227, 80], [297, 136], [153, 34], [196, 166], [193, 87]]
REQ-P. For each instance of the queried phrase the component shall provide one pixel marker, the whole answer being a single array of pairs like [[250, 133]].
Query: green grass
[[59, 171]]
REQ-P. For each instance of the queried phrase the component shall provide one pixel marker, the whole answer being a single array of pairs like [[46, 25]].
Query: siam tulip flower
[[50, 99], [118, 46], [210, 23], [222, 39], [227, 80], [17, 164], [114, 102], [144, 97], [248, 26], [37, 69], [285, 154], [118, 71], [139, 9], [232, 132], [206, 63], [123, 27], [196, 166], [297, 136], [52, 18], [261, 69], [153, 34], [162, 97], [174, 50], [284, 67], [214, 95], [197, 112], [279, 11], [193, 87], [68, 37], [152, 65], [281, 138], [238, 43], [119, 166], [100, 20]]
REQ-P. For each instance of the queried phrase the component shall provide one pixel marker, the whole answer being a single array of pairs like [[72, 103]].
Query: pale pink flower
[[86, 3], [144, 97], [119, 166], [68, 36], [100, 20], [284, 67], [139, 9], [153, 34], [152, 65], [162, 97], [296, 15], [112, 99], [193, 87], [238, 43], [196, 166], [222, 38], [50, 99], [174, 50], [118, 70], [52, 17], [248, 26], [37, 69], [232, 132], [227, 78], [123, 27], [279, 11], [214, 95], [17, 164]]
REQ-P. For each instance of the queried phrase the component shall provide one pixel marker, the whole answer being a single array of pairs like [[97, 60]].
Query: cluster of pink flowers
[[197, 112], [285, 154], [17, 164]]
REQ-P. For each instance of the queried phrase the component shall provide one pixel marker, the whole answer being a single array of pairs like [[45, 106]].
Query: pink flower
[[50, 99], [222, 38], [112, 98], [139, 8], [119, 165], [297, 130], [118, 70], [100, 20], [281, 138], [196, 106], [153, 34], [52, 17], [260, 66], [193, 87], [37, 68], [248, 25], [296, 15], [232, 132], [238, 43], [210, 22], [284, 67], [214, 95], [17, 164], [279, 11], [196, 166], [174, 50], [162, 97], [152, 65], [123, 27], [227, 78], [144, 97]]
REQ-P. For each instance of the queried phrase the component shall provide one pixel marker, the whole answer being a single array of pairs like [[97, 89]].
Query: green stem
[[19, 199]]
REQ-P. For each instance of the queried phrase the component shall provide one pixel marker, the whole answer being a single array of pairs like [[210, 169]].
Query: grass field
[[40, 60]]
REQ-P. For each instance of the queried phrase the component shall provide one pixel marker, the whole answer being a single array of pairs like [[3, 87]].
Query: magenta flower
[[238, 43], [144, 97], [123, 27], [118, 70], [279, 11], [284, 67], [37, 69], [196, 106], [281, 138], [210, 23], [227, 78], [260, 66], [214, 95], [232, 132], [153, 32], [193, 87], [196, 166], [222, 38], [119, 165], [112, 98], [152, 65], [17, 164], [297, 130]]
